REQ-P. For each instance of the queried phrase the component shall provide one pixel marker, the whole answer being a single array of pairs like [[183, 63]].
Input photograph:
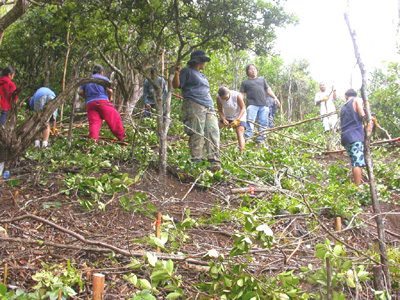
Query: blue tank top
[[352, 124], [95, 91]]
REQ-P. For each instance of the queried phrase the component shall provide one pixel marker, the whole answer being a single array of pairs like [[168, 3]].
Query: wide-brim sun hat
[[199, 57]]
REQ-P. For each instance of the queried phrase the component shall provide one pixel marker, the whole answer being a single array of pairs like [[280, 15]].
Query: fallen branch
[[251, 190], [300, 141], [294, 252], [89, 242]]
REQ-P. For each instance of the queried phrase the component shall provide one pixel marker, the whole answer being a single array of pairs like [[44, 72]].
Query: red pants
[[100, 110]]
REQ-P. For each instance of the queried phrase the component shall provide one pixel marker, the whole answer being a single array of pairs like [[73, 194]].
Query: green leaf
[[266, 229], [240, 282], [158, 242], [131, 278], [174, 295], [147, 296], [151, 258], [159, 275], [134, 264], [145, 284], [350, 282], [227, 282], [249, 224], [3, 289], [363, 275], [347, 265], [338, 250], [164, 238], [170, 266], [320, 251]]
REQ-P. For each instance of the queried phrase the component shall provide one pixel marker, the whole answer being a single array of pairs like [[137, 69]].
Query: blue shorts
[[242, 123], [356, 153]]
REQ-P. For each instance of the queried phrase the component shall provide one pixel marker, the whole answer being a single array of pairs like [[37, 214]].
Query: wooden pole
[[98, 286], [65, 71], [252, 190], [328, 278], [59, 294], [368, 158], [338, 224], [5, 265], [5, 274], [158, 228]]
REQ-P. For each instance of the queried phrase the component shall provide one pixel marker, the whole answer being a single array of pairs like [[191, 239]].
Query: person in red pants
[[99, 107]]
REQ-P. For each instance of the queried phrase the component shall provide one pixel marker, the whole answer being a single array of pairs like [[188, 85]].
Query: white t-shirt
[[231, 108], [327, 106]]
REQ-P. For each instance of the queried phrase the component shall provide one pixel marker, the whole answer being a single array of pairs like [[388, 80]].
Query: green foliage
[[161, 274], [384, 95], [94, 188], [137, 203], [49, 282], [231, 280], [344, 273], [171, 233]]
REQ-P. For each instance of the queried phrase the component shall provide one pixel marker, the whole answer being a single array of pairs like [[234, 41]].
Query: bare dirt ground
[[45, 225]]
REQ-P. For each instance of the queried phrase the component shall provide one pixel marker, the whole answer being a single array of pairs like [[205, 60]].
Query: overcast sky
[[322, 37]]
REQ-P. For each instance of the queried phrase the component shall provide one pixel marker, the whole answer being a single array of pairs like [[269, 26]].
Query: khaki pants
[[201, 124]]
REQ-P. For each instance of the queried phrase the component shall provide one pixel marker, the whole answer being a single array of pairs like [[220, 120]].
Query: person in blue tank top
[[352, 115]]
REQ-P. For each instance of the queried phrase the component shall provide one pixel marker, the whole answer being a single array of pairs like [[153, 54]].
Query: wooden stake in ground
[[98, 286], [338, 223], [5, 274], [158, 228]]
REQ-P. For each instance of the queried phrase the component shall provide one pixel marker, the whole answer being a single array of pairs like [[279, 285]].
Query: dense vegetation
[[264, 231]]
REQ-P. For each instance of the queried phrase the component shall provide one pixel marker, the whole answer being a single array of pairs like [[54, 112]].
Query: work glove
[[235, 123], [53, 130], [375, 121]]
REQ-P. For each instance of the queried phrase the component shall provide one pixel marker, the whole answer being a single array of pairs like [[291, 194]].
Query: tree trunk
[[290, 99], [129, 86], [13, 15], [368, 159], [164, 121]]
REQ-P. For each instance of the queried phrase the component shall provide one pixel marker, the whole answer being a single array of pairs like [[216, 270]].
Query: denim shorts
[[356, 153]]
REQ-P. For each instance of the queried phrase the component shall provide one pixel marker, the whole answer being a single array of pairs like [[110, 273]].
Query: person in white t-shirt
[[325, 100], [232, 111]]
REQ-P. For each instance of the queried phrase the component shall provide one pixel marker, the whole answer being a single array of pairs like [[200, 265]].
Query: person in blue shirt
[[41, 97], [99, 107], [148, 93]]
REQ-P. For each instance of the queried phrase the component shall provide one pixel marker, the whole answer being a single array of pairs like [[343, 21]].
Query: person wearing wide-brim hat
[[199, 116]]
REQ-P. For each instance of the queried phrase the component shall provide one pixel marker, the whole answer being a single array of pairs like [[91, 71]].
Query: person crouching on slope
[[232, 110], [37, 103], [99, 107]]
